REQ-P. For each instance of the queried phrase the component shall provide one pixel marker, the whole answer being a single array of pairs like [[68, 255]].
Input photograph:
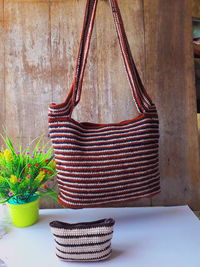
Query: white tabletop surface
[[143, 237]]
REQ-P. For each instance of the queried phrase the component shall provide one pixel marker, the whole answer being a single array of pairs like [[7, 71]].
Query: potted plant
[[23, 177]]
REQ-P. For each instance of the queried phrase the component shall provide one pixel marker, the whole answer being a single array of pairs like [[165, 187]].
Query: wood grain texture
[[27, 68], [195, 8], [40, 44], [170, 78]]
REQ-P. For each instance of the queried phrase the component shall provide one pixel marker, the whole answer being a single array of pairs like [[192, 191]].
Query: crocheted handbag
[[103, 164], [86, 241]]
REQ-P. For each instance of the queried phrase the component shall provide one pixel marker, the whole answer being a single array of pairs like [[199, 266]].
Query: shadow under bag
[[103, 164]]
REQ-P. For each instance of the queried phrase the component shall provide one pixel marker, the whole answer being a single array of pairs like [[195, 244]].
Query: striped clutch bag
[[103, 164], [86, 241]]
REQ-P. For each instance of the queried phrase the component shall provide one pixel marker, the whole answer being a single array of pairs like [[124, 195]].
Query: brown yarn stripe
[[95, 128], [120, 173], [107, 169], [78, 205], [59, 139], [91, 201], [108, 222], [104, 162], [111, 183], [83, 259], [77, 158], [104, 193], [82, 236], [101, 190], [86, 252], [136, 150]]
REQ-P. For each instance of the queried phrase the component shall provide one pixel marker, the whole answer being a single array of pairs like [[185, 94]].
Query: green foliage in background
[[25, 172]]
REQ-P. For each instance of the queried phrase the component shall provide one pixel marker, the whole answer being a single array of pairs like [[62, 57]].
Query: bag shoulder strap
[[142, 100]]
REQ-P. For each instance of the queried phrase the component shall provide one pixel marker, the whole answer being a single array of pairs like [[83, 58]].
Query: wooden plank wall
[[196, 14], [195, 8], [38, 47]]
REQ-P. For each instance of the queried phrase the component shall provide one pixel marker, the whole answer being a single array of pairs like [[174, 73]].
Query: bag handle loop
[[142, 100]]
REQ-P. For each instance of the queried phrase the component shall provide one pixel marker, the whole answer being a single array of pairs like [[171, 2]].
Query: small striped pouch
[[85, 241]]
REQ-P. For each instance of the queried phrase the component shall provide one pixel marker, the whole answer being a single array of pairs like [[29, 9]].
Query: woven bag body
[[103, 164], [89, 241]]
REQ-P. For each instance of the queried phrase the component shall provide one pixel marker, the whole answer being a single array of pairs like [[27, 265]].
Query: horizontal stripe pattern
[[83, 241], [89, 241], [83, 257], [99, 164], [82, 249]]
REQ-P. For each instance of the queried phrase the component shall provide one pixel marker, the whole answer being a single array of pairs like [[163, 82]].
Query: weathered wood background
[[38, 46], [196, 14], [196, 8]]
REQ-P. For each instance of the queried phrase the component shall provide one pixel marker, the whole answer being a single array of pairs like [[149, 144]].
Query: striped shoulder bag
[[102, 164]]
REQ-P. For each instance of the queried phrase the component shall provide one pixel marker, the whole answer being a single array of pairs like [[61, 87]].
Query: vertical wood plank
[[28, 69], [2, 61], [170, 77], [192, 143], [196, 8]]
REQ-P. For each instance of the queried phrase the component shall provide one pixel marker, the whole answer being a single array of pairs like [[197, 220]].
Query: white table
[[143, 237]]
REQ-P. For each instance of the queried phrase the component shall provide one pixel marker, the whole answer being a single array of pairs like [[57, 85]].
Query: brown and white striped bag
[[103, 164], [86, 241]]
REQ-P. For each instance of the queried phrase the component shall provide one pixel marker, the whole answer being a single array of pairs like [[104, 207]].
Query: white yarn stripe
[[119, 196], [83, 248], [84, 256], [106, 194], [140, 174], [153, 151], [119, 151], [115, 152], [89, 231], [79, 181], [150, 165], [122, 139], [78, 128], [85, 147], [64, 128], [102, 166], [103, 137], [117, 187], [83, 240], [144, 163], [102, 160], [64, 108], [115, 127], [142, 194]]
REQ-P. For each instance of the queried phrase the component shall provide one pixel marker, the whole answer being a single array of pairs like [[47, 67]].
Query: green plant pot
[[23, 215]]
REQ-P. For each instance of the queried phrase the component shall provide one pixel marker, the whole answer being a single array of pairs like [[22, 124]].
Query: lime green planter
[[23, 215]]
